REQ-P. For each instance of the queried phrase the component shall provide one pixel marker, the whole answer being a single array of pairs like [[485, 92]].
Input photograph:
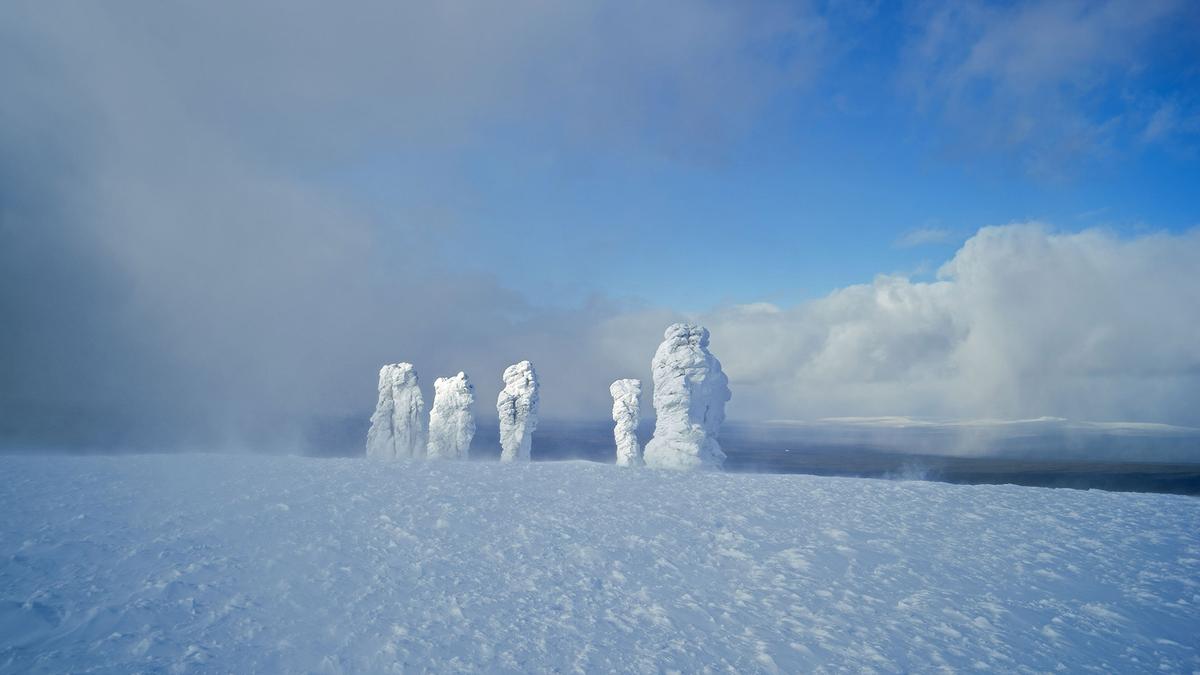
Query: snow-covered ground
[[268, 564]]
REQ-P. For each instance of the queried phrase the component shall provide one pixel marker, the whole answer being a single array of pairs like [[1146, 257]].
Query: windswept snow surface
[[268, 564], [398, 425], [517, 409]]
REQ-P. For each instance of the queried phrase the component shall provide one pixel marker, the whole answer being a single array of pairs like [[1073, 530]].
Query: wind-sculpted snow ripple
[[261, 564]]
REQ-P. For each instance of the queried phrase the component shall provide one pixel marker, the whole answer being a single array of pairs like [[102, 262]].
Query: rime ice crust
[[517, 407], [451, 420], [398, 424], [626, 414], [690, 392]]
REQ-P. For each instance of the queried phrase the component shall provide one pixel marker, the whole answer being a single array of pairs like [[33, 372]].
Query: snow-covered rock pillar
[[398, 424], [517, 406], [690, 392], [451, 420], [626, 414]]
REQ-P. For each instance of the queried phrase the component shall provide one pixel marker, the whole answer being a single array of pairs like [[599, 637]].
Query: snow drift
[[626, 414], [690, 392], [452, 418], [517, 407], [398, 424]]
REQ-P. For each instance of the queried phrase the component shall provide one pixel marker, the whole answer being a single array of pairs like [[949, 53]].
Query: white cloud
[[1022, 322], [1162, 123], [925, 235]]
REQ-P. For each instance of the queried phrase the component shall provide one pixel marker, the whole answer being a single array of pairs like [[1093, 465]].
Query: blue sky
[[832, 181]]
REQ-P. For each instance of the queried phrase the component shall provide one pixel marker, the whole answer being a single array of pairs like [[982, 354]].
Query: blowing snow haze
[[218, 222]]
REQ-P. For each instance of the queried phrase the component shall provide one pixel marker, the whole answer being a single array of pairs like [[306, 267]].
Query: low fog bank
[[1040, 438], [557, 438], [1048, 452], [1042, 453], [1036, 439]]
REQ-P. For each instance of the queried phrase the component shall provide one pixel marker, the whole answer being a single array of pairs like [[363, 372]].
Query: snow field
[[281, 564]]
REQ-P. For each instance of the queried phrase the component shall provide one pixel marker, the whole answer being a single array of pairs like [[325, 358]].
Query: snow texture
[[243, 564], [690, 392], [626, 414], [398, 425], [517, 407], [452, 418]]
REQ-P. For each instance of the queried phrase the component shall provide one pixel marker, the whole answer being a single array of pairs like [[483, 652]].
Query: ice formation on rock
[[517, 406], [690, 392], [626, 413], [451, 420], [398, 424]]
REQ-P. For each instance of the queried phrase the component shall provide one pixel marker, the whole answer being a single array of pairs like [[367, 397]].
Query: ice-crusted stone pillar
[[626, 414], [517, 406], [451, 420], [690, 392], [398, 424]]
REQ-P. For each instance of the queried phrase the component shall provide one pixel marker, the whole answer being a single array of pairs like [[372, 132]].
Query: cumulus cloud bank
[[1022, 322]]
